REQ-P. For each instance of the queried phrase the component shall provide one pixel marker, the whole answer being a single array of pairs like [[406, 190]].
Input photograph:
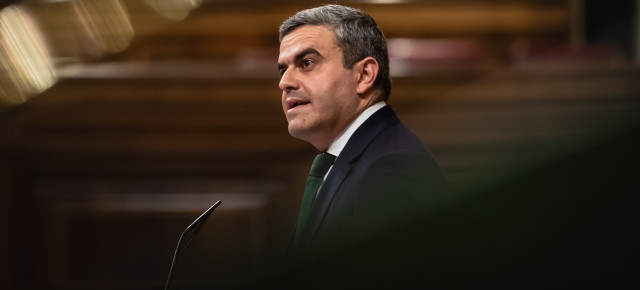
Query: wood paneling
[[118, 233]]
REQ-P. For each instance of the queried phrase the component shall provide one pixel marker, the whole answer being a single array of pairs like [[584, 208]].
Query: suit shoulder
[[400, 142]]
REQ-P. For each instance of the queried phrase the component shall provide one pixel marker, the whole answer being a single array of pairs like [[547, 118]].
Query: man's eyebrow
[[300, 55], [304, 52]]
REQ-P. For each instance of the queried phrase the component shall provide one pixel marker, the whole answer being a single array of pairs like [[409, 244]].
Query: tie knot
[[321, 164]]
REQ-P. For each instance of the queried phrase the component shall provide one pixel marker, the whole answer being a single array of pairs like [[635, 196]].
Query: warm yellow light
[[107, 22], [26, 67], [174, 9]]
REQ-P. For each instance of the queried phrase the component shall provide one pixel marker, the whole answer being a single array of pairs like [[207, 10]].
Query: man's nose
[[288, 81]]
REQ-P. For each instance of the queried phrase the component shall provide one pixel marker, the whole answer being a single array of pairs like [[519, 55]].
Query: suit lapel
[[360, 139]]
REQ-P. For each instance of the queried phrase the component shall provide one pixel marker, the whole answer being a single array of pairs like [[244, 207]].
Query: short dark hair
[[357, 34]]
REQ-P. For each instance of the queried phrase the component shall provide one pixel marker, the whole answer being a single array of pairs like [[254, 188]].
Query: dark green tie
[[319, 168]]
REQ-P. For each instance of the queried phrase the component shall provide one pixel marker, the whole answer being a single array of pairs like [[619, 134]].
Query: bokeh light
[[25, 64]]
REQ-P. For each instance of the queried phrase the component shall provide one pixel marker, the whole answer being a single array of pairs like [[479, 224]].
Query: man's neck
[[335, 148]]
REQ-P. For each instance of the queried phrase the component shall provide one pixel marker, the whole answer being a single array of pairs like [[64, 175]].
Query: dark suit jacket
[[384, 176]]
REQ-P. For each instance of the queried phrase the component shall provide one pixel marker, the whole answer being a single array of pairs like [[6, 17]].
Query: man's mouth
[[295, 103]]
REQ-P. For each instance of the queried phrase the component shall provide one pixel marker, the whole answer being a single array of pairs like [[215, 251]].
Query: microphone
[[187, 236]]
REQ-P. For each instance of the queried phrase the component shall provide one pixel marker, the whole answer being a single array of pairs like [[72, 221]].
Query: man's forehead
[[306, 36], [308, 29]]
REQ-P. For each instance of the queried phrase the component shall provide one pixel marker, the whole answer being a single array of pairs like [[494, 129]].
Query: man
[[335, 82]]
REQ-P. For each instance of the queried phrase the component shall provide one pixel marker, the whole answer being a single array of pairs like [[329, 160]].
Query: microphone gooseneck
[[187, 236]]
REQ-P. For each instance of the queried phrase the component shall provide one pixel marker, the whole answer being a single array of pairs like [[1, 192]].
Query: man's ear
[[368, 69]]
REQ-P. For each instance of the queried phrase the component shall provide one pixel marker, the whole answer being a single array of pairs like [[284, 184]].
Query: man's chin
[[312, 137], [296, 131], [300, 132]]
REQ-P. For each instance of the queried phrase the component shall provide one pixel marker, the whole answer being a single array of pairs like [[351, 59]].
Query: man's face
[[319, 95]]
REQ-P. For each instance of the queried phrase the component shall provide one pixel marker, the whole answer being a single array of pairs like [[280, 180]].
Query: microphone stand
[[187, 236]]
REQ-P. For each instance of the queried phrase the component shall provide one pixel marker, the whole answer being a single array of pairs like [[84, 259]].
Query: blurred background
[[122, 120]]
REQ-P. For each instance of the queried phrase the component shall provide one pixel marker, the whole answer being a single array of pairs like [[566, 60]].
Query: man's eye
[[307, 63]]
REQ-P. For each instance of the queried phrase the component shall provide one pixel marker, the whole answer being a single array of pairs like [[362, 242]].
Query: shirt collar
[[338, 144]]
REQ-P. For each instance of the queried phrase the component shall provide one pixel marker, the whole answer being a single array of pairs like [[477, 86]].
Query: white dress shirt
[[338, 144]]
